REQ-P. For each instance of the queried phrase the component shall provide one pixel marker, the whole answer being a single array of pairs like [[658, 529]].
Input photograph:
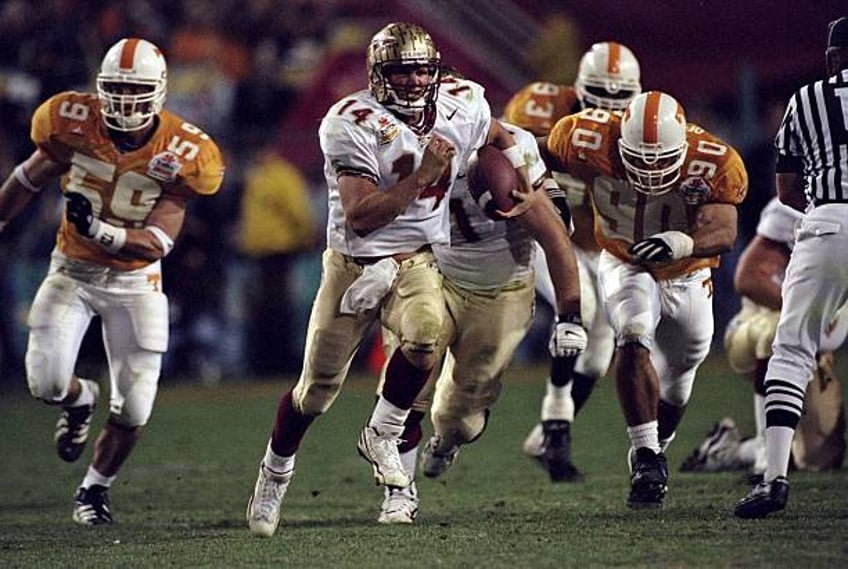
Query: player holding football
[[664, 195], [488, 286], [127, 170], [392, 153], [608, 77]]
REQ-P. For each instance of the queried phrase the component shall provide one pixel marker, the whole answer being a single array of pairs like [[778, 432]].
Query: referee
[[812, 176]]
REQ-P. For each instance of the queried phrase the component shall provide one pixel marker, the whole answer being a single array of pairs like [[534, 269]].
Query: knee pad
[[46, 381], [749, 337], [314, 399]]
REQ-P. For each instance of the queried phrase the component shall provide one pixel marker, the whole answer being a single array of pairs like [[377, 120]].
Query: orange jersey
[[539, 105], [123, 187], [586, 146]]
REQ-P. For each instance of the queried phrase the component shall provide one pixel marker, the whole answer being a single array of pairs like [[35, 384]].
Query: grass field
[[180, 500]]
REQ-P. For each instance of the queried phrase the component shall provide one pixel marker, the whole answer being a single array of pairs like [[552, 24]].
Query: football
[[491, 179]]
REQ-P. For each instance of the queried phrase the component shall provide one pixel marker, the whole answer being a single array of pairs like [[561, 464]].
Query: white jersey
[[361, 137], [484, 253], [777, 222]]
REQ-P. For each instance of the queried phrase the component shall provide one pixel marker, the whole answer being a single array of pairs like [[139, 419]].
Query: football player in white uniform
[[392, 153], [489, 293], [664, 195], [819, 442], [608, 77], [127, 169]]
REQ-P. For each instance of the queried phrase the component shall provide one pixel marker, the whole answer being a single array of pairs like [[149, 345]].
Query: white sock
[[778, 447], [557, 404], [760, 415], [276, 464], [93, 477], [388, 417], [86, 394], [409, 459], [645, 435]]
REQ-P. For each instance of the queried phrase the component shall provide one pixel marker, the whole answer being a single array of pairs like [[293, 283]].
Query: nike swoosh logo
[[450, 116]]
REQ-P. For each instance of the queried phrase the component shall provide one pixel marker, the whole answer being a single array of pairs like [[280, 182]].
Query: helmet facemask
[[653, 142], [405, 49], [129, 106]]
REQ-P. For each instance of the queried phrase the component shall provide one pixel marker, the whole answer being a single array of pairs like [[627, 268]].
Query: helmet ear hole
[[132, 84], [653, 142]]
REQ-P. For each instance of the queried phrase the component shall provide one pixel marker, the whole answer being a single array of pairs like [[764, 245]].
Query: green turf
[[180, 500]]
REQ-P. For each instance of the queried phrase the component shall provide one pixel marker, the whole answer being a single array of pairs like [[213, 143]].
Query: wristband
[[20, 176], [515, 156], [108, 236], [681, 244], [164, 240]]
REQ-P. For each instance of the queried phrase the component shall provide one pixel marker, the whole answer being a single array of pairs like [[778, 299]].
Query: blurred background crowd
[[258, 76]]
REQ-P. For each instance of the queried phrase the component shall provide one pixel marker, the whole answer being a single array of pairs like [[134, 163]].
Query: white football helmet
[[396, 46], [132, 84], [608, 77], [653, 142]]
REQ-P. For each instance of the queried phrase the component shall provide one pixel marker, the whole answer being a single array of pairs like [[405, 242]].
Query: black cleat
[[556, 452], [763, 499], [72, 427], [92, 506], [648, 480]]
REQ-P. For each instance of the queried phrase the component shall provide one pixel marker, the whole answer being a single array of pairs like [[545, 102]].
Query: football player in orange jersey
[[664, 195], [608, 77], [127, 170]]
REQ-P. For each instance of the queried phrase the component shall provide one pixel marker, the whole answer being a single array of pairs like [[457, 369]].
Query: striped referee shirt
[[814, 131]]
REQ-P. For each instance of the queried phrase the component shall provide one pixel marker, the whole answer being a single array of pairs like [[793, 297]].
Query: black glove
[[651, 250], [663, 247], [78, 211]]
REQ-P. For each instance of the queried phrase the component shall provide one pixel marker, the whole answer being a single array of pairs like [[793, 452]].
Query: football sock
[[645, 435], [388, 417], [408, 459], [93, 477], [276, 464], [86, 395], [778, 447], [557, 404]]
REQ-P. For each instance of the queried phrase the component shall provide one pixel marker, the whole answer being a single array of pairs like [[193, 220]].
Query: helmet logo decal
[[652, 111], [614, 58], [128, 54]]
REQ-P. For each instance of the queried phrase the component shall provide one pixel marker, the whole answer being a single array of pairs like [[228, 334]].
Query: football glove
[[568, 338], [78, 212], [663, 247]]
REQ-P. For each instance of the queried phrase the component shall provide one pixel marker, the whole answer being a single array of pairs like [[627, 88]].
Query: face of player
[[410, 82], [132, 102]]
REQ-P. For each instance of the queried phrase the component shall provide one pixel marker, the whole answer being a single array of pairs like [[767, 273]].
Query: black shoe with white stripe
[[763, 499], [91, 506], [72, 427]]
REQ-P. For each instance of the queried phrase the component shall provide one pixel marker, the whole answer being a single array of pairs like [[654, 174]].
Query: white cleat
[[381, 450], [400, 505], [263, 508]]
